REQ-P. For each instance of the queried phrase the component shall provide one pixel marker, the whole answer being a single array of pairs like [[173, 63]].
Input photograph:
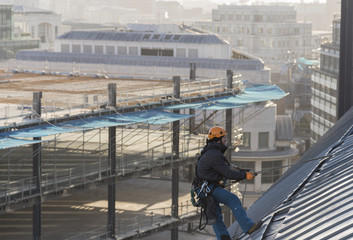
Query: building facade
[[5, 22], [37, 24], [144, 54], [266, 147], [27, 3], [324, 86], [8, 44], [144, 44], [268, 32]]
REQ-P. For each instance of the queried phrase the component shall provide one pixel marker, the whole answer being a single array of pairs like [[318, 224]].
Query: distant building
[[8, 44], [26, 3], [38, 24], [266, 144], [324, 86], [268, 32], [319, 14], [144, 54]]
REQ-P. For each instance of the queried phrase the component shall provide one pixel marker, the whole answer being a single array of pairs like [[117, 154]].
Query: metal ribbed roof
[[313, 199], [142, 37]]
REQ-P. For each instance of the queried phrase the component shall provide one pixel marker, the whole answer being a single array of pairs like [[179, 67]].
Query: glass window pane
[[271, 176], [246, 139], [263, 139]]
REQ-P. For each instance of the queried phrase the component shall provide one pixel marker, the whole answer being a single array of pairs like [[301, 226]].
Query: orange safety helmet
[[216, 133]]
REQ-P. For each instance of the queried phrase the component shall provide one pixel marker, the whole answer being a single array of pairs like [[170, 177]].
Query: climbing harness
[[201, 196]]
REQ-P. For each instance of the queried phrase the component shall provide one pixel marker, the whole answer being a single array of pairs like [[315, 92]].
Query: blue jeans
[[232, 201]]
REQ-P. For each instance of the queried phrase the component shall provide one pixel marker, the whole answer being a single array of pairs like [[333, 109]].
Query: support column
[[112, 160], [37, 171], [192, 71], [345, 85], [192, 111], [229, 123], [175, 164], [192, 122]]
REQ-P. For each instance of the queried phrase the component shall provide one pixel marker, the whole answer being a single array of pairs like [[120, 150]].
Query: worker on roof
[[214, 168]]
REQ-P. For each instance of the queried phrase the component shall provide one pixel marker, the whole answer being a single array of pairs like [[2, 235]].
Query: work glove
[[250, 175]]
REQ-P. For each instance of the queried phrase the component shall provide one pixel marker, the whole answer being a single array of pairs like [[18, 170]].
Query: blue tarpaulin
[[253, 94], [6, 142], [150, 116]]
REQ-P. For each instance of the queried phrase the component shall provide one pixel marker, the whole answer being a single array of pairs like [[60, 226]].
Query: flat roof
[[143, 37]]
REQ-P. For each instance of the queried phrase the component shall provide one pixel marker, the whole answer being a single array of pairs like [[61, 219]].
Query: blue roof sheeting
[[254, 94]]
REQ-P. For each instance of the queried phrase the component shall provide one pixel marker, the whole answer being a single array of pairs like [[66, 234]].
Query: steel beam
[[229, 123], [175, 164], [112, 160], [37, 171]]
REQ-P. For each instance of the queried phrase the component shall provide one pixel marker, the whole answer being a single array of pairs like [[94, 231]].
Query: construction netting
[[253, 94]]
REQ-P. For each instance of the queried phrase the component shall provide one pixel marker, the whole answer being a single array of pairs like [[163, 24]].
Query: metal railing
[[61, 179], [140, 222], [96, 234], [156, 218]]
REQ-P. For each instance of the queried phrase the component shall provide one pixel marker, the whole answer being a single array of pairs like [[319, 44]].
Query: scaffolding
[[72, 161]]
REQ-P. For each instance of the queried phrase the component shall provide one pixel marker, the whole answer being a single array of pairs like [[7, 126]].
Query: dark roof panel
[[142, 37]]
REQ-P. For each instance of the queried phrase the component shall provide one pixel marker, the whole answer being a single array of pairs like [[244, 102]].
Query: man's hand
[[250, 175]]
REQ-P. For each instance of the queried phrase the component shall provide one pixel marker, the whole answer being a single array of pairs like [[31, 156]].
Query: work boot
[[255, 227]]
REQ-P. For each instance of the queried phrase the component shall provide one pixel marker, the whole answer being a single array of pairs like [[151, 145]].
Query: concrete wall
[[261, 76], [216, 51]]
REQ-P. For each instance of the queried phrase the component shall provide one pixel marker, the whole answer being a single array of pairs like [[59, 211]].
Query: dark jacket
[[213, 166]]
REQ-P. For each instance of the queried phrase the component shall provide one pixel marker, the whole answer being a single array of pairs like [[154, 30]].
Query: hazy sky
[[269, 1]]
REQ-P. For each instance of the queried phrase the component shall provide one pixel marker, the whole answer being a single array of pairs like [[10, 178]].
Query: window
[[122, 50], [33, 32], [87, 49], [246, 165], [98, 49], [167, 52], [65, 48], [246, 139], [263, 139], [168, 37], [181, 52], [76, 48], [157, 52], [110, 50], [149, 52], [193, 53], [271, 176], [258, 18], [133, 51], [146, 36], [43, 29]]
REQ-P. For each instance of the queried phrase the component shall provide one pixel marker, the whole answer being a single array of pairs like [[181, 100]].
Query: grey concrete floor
[[87, 210]]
